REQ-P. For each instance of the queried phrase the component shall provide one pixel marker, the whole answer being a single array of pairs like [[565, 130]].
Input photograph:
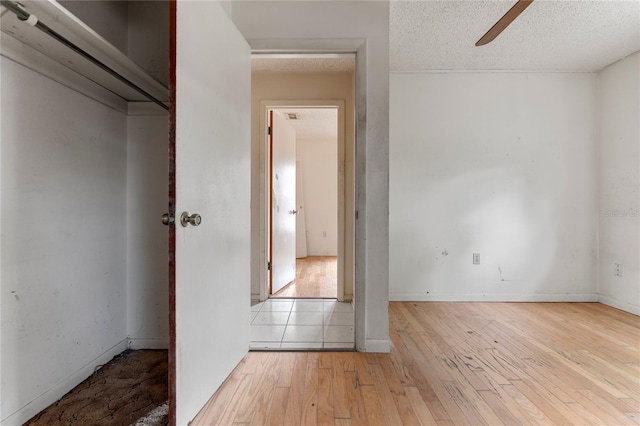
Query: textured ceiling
[[314, 123], [567, 35], [302, 64]]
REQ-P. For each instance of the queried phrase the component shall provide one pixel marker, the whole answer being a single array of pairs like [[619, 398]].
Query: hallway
[[278, 324], [316, 277]]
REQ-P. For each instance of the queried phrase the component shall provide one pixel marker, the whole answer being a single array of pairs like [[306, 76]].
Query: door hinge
[[268, 266], [356, 214], [269, 130]]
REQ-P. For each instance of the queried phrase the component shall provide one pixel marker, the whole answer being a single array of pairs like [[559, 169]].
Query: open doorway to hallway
[[303, 202], [303, 301]]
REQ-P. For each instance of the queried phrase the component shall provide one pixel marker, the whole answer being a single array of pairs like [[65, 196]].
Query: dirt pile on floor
[[125, 389]]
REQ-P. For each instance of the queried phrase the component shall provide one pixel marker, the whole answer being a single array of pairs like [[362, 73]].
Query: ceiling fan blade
[[504, 22]]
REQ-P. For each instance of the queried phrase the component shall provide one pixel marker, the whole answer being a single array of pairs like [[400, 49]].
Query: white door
[[283, 202], [212, 178], [301, 222]]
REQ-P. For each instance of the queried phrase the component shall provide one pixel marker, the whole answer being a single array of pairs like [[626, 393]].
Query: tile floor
[[280, 324]]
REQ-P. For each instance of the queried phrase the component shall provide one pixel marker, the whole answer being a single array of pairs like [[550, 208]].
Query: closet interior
[[83, 173]]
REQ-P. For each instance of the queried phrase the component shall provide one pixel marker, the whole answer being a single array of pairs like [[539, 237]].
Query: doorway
[[290, 322], [282, 318], [303, 202], [345, 221]]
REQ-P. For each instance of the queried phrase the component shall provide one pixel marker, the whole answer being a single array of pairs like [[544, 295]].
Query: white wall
[[80, 217], [138, 28], [106, 17], [147, 184], [501, 164], [147, 238], [63, 239], [148, 34], [318, 159], [312, 24], [619, 103]]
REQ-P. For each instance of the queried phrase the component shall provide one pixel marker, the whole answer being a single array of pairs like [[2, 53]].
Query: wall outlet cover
[[618, 270]]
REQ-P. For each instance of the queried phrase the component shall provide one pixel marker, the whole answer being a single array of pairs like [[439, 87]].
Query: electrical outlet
[[476, 258], [618, 270]]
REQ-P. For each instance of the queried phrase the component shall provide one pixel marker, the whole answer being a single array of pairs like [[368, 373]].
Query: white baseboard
[[377, 346], [52, 395], [618, 304], [141, 343], [543, 297]]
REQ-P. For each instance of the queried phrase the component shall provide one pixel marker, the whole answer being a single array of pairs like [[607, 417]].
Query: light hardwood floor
[[453, 364], [316, 277]]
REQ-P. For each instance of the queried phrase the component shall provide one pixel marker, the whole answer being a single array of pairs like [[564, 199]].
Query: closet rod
[[33, 20]]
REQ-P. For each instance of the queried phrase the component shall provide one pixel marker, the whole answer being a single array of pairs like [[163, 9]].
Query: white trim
[[359, 47], [538, 297], [265, 107], [143, 108], [258, 55], [137, 343], [60, 20], [306, 46], [37, 62], [623, 306], [377, 346], [52, 395], [490, 72]]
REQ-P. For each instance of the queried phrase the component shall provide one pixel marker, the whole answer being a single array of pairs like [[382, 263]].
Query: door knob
[[168, 219], [186, 219], [293, 211]]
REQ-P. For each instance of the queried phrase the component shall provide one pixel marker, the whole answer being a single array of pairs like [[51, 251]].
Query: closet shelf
[[59, 19]]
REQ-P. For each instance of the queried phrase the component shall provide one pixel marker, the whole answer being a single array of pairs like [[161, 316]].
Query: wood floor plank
[[373, 407], [316, 277], [453, 364], [417, 370], [216, 407], [255, 402], [296, 403], [397, 390], [584, 416], [567, 362], [355, 400], [552, 407], [532, 410], [505, 414], [389, 406], [309, 414], [231, 408], [341, 407], [419, 407], [326, 414], [277, 408], [287, 359], [430, 368], [395, 361], [605, 408], [325, 360], [466, 402], [362, 370]]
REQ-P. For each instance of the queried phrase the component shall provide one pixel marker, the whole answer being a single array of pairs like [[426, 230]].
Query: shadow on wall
[[514, 230]]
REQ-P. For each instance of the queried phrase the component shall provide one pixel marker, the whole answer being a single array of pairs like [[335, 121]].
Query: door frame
[[265, 160], [357, 46]]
